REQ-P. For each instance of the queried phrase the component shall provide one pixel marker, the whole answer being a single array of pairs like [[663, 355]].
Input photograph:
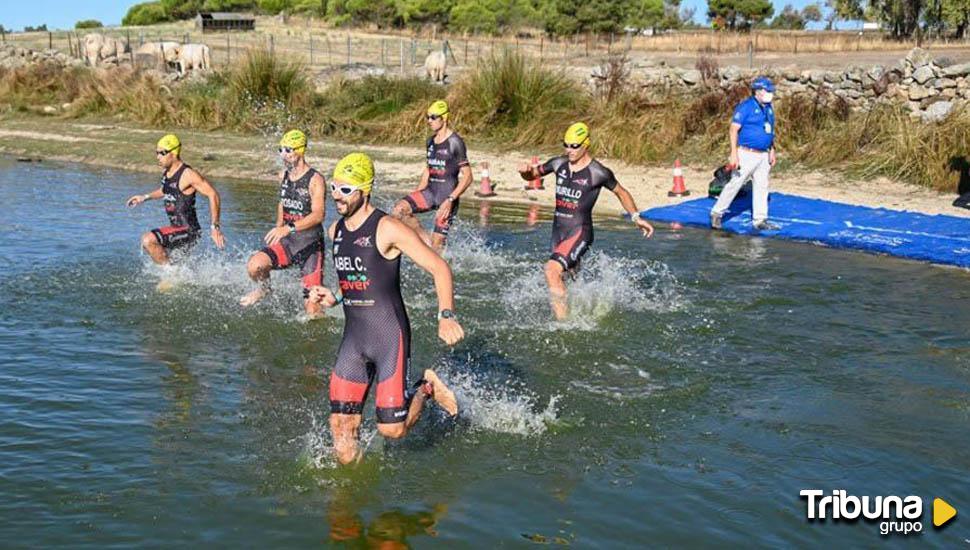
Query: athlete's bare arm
[[626, 200], [321, 294], [138, 199], [194, 180], [425, 177], [464, 181], [393, 238]]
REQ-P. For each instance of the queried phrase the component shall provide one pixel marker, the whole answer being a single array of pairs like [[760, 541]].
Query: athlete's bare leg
[[346, 430], [441, 394], [154, 248], [557, 289], [259, 268], [438, 242], [402, 211]]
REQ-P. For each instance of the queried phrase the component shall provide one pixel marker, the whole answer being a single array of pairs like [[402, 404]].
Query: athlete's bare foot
[[164, 286], [443, 396], [253, 297]]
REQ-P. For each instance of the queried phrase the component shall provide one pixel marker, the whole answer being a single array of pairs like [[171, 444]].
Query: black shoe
[[716, 220], [765, 225]]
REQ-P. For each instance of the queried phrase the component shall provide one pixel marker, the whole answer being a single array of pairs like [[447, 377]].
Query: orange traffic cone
[[533, 216], [679, 190], [535, 184], [486, 188]]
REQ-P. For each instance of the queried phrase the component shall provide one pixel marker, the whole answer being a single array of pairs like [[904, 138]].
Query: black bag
[[722, 176]]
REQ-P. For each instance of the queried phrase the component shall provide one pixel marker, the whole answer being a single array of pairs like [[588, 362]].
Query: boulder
[[963, 69], [917, 92], [937, 111], [923, 74], [691, 77]]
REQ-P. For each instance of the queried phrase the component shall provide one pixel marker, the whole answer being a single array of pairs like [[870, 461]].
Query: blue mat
[[938, 239]]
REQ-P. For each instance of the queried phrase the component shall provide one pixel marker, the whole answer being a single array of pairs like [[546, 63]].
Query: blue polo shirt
[[757, 124]]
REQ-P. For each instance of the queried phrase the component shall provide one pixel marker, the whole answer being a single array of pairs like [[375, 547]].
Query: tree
[[647, 14], [956, 13], [88, 24], [228, 5], [146, 13], [812, 13], [789, 19], [38, 28], [472, 15], [181, 9], [739, 14], [272, 7]]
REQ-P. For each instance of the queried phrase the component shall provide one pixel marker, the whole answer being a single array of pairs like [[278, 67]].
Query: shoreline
[[253, 158]]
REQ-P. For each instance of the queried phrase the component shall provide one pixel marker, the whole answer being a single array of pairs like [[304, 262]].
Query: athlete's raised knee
[[148, 240], [392, 431], [258, 263]]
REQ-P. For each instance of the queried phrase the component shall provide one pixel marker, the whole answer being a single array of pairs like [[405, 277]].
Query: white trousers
[[754, 166]]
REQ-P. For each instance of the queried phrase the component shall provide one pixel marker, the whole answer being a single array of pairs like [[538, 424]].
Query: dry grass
[[509, 102]]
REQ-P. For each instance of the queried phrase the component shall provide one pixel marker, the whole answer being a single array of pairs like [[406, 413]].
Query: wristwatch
[[216, 225], [446, 314], [292, 227]]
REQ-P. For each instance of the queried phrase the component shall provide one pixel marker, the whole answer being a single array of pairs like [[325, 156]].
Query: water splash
[[604, 285], [503, 407]]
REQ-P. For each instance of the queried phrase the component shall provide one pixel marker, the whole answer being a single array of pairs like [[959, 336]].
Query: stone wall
[[930, 88]]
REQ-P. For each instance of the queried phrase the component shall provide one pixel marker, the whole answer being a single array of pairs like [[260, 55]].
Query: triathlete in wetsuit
[[446, 176], [376, 346], [297, 238], [179, 186], [579, 179]]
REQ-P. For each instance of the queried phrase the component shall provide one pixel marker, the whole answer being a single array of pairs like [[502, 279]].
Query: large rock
[[962, 69], [692, 77], [923, 74], [943, 83], [937, 111], [854, 74], [731, 73], [832, 77], [917, 57], [917, 92], [816, 76]]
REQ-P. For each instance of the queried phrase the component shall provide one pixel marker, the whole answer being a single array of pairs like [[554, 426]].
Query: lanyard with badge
[[764, 111]]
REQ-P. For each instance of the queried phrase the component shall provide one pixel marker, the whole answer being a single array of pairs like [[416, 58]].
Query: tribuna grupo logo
[[895, 514]]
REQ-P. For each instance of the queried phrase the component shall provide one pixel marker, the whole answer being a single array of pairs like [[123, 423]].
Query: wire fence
[[321, 48]]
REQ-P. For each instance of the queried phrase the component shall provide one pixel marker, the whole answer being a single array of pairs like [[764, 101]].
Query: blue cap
[[763, 83]]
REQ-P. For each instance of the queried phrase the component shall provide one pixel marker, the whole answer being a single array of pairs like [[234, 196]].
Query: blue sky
[[62, 14]]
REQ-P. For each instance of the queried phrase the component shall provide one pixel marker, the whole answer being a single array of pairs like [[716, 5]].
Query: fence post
[[750, 55], [587, 44], [228, 50], [402, 56], [3, 36], [383, 53], [609, 47], [311, 48], [272, 46], [466, 52], [348, 48]]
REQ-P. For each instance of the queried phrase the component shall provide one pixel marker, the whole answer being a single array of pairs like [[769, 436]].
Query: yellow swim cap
[[170, 143], [439, 108], [357, 170], [294, 139], [577, 133]]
